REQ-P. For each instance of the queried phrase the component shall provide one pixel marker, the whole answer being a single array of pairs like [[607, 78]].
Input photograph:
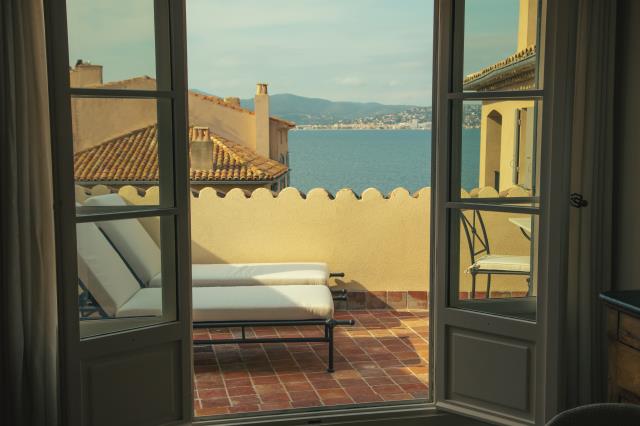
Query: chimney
[[201, 149], [85, 74], [261, 109]]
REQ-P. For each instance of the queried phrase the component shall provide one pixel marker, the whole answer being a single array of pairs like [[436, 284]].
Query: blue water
[[382, 159]]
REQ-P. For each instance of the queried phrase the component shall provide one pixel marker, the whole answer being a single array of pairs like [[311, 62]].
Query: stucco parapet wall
[[292, 193], [380, 242], [490, 192]]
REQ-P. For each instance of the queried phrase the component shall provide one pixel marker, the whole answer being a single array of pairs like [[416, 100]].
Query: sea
[[382, 159]]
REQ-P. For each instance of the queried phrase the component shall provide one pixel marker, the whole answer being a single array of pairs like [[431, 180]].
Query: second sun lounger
[[142, 255], [117, 294]]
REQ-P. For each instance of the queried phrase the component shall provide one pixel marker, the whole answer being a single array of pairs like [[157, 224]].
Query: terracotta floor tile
[[268, 389], [274, 397], [383, 358], [241, 390], [275, 406], [292, 377], [337, 401], [215, 402], [309, 395], [244, 400], [211, 411], [397, 397], [306, 403], [246, 408], [332, 393], [265, 380], [235, 383], [363, 398], [352, 383], [212, 393], [375, 381], [387, 389], [325, 384], [297, 387]]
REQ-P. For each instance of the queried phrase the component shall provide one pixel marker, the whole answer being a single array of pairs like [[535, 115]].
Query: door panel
[[135, 387], [491, 369], [127, 357], [487, 230]]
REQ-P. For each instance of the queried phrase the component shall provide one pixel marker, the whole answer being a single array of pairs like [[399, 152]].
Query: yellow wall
[[527, 23], [507, 133], [381, 243], [96, 120], [237, 126], [85, 75]]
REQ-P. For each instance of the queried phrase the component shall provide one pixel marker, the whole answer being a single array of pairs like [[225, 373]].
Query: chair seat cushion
[[242, 303], [503, 263], [254, 274]]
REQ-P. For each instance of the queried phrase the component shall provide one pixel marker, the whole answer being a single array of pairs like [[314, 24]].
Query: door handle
[[577, 200]]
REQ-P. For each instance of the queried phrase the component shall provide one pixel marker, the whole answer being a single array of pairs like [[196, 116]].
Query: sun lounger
[[117, 294], [142, 256]]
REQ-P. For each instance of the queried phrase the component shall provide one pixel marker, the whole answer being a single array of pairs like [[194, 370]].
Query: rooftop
[[211, 98], [133, 158], [516, 72]]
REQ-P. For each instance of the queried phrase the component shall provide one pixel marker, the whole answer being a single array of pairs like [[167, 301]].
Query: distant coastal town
[[417, 118]]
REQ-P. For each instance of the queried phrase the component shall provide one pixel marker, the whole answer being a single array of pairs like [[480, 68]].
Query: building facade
[[508, 128], [253, 135]]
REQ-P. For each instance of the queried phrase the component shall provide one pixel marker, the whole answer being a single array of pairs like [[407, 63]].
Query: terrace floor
[[384, 357]]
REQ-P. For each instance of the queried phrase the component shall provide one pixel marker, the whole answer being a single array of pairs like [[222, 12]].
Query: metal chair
[[487, 263]]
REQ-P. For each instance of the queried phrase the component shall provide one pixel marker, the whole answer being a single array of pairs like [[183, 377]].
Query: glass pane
[[500, 45], [123, 273], [497, 150], [112, 44], [492, 259], [115, 144]]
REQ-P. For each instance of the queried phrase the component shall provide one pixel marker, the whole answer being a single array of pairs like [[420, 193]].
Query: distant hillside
[[303, 110]]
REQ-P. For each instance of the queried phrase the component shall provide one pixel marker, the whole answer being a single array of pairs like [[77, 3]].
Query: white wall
[[626, 232]]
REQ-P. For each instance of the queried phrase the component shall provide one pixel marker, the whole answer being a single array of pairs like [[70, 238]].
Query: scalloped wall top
[[291, 193]]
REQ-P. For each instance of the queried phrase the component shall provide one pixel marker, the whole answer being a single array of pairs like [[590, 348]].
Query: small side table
[[623, 331]]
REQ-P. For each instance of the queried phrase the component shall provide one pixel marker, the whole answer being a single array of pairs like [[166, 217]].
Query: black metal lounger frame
[[329, 325], [88, 306]]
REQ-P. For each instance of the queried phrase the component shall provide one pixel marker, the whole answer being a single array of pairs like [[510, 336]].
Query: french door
[[121, 364], [500, 209]]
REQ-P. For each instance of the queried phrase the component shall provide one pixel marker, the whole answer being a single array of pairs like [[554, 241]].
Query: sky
[[341, 50]]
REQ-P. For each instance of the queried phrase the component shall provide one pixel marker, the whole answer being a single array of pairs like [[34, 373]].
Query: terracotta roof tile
[[133, 157], [508, 68]]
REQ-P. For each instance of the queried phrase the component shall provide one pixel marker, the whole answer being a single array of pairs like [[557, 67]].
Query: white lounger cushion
[[252, 274], [102, 271], [290, 302], [130, 239], [143, 256], [503, 263]]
